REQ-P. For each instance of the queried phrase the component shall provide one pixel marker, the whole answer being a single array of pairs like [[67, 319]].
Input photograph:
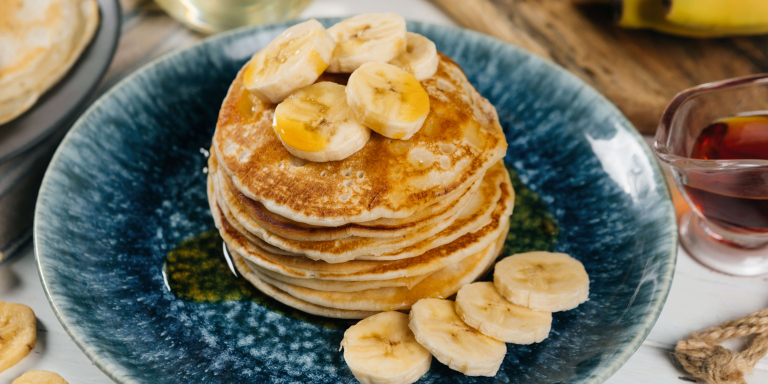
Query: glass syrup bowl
[[212, 16], [726, 247]]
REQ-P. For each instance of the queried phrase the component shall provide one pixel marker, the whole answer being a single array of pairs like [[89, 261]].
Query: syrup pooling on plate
[[197, 270], [532, 226]]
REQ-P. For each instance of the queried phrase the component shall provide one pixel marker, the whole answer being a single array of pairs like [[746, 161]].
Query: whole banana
[[746, 16], [694, 18]]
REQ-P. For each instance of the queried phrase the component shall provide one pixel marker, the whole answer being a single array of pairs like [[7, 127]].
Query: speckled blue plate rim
[[663, 275], [666, 270]]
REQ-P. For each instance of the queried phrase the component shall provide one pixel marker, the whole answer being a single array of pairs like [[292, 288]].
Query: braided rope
[[703, 357]]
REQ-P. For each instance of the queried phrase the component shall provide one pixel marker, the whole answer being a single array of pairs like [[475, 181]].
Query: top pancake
[[460, 139]]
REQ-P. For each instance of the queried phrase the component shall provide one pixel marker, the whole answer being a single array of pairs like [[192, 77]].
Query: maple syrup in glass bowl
[[715, 139]]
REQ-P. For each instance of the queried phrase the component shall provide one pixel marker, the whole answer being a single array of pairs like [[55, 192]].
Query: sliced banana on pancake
[[316, 124], [388, 100], [371, 37], [18, 333], [293, 60], [439, 329], [419, 57], [382, 349], [40, 377], [482, 307], [542, 281]]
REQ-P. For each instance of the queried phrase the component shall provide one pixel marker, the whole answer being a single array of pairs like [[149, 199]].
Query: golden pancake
[[39, 43], [458, 142], [440, 284], [338, 285], [441, 213], [475, 215], [291, 301], [332, 251], [365, 270], [477, 211]]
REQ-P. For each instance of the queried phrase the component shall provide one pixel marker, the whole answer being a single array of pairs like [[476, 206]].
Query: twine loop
[[703, 357]]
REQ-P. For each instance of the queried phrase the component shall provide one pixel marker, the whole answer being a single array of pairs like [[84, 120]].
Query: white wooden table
[[699, 297]]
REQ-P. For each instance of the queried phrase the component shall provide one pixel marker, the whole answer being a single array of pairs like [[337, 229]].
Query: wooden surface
[[699, 296], [640, 71]]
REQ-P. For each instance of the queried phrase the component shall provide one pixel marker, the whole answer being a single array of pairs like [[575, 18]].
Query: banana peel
[[694, 18]]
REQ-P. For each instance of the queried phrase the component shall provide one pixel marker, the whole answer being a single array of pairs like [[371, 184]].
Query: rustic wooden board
[[640, 71]]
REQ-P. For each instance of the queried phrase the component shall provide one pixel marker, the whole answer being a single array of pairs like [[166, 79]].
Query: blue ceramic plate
[[127, 185]]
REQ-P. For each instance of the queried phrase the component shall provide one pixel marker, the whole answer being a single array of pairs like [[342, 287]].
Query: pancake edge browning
[[293, 302], [341, 285], [337, 251], [440, 284], [362, 270], [297, 231], [442, 212]]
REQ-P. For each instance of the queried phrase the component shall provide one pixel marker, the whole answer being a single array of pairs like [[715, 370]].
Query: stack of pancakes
[[398, 221]]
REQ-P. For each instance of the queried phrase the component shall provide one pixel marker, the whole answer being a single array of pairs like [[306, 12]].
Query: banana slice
[[388, 100], [382, 349], [419, 57], [542, 281], [290, 62], [316, 124], [482, 307], [462, 348], [40, 377], [18, 333], [366, 38]]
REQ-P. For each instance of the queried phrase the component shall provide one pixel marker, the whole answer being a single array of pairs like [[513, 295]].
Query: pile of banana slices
[[324, 121], [468, 335]]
